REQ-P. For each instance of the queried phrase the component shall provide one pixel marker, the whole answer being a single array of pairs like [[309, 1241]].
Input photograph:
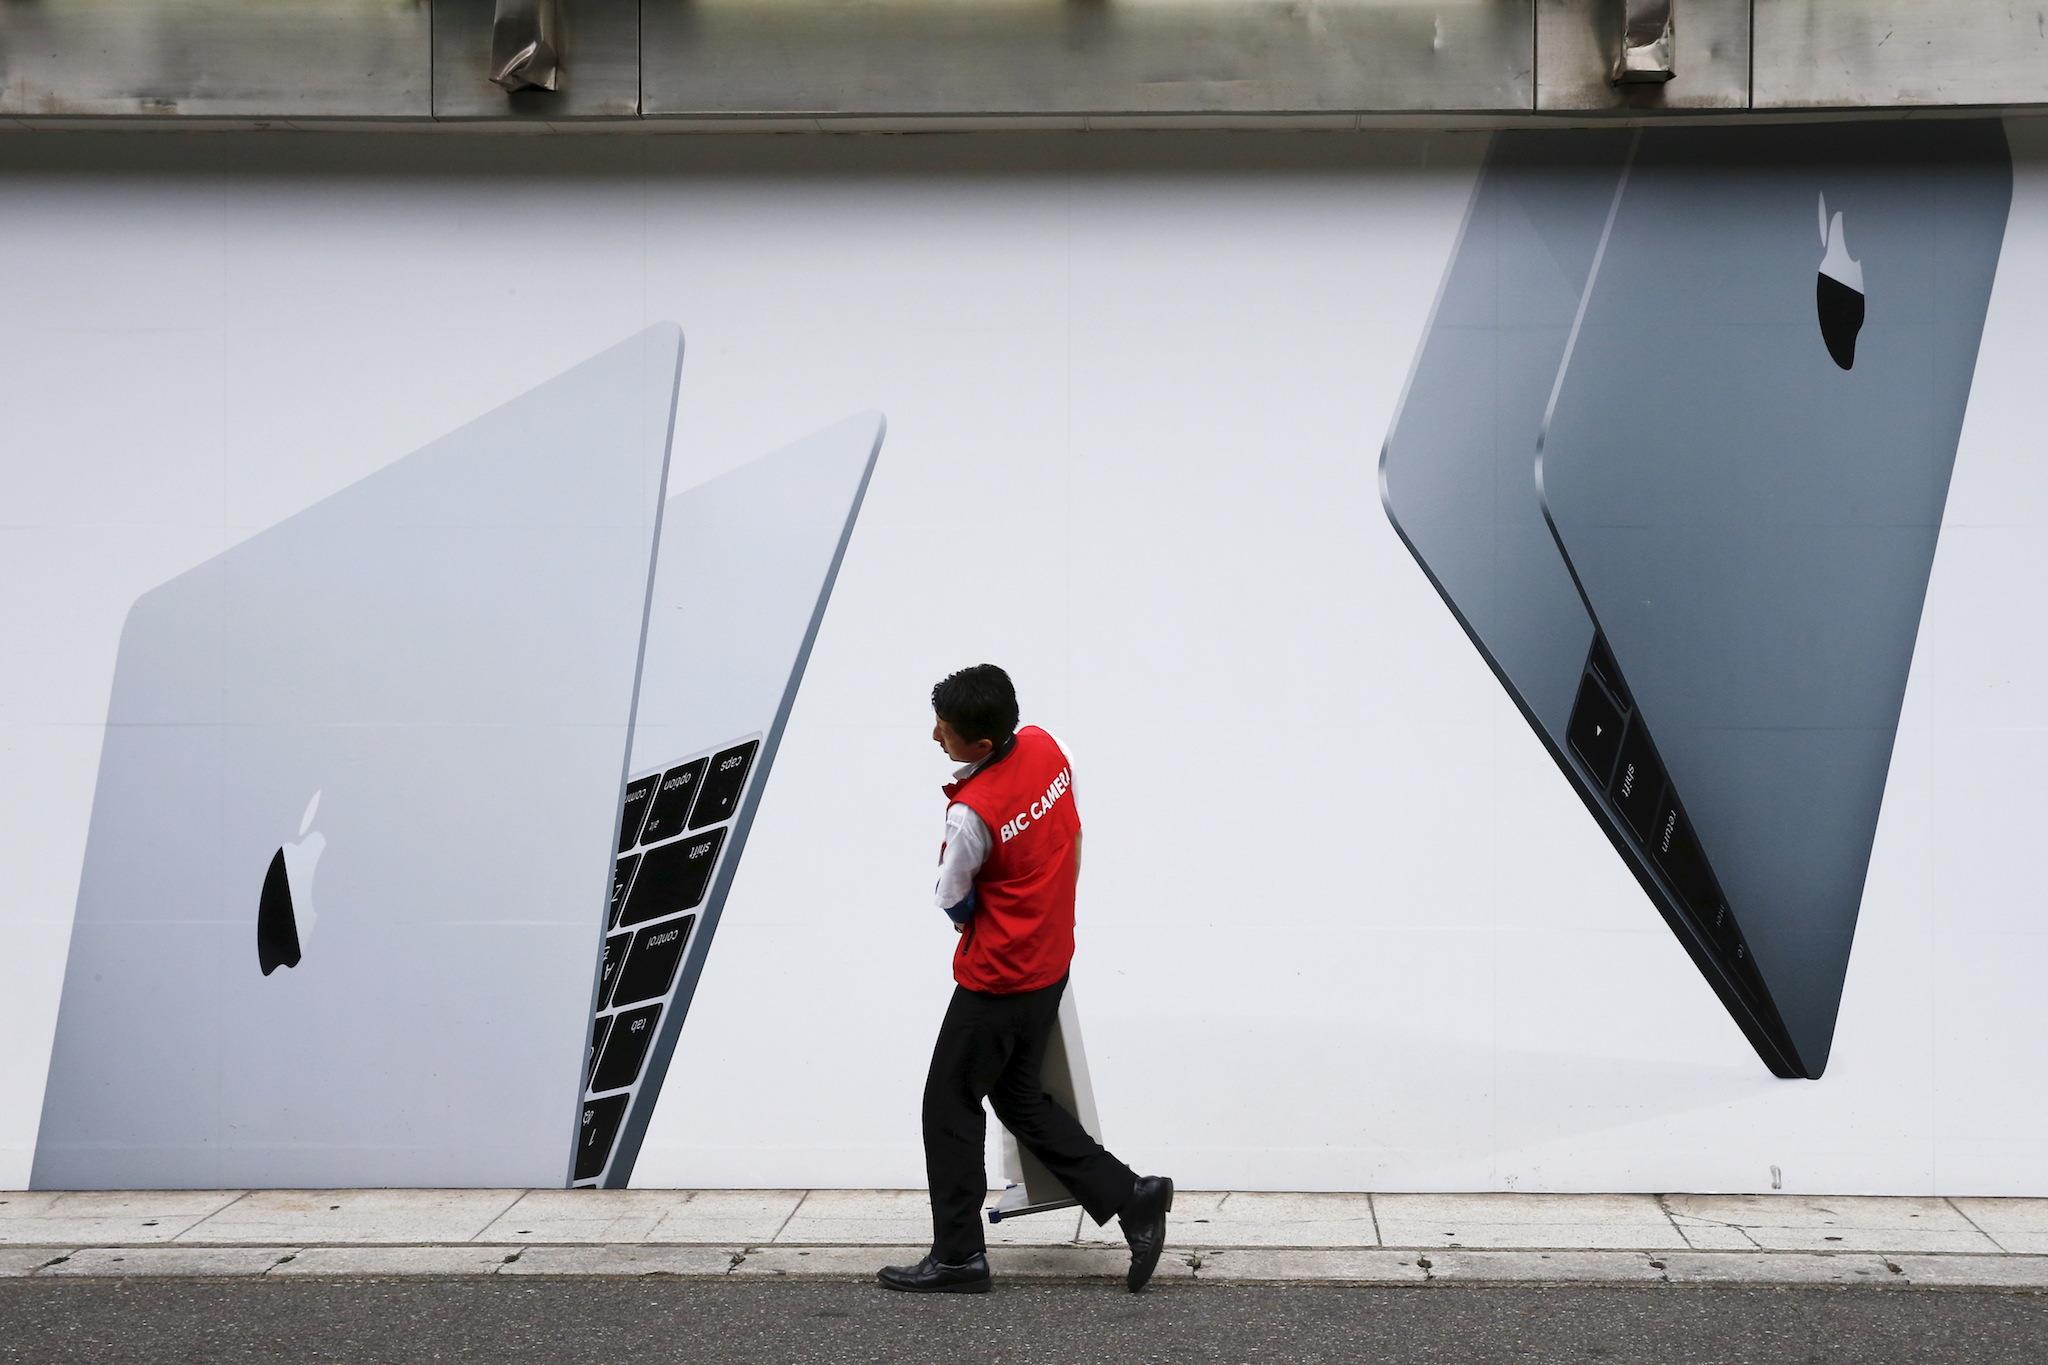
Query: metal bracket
[[1016, 1202], [526, 44], [1645, 43]]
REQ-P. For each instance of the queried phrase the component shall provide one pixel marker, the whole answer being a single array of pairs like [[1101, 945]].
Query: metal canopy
[[881, 64]]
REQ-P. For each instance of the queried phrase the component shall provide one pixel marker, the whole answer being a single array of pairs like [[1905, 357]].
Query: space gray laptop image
[[1744, 464], [1456, 477], [746, 566], [343, 910]]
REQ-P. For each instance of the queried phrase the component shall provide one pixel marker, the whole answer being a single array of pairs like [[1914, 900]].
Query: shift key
[[672, 877]]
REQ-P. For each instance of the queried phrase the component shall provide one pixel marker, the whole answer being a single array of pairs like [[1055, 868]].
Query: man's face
[[959, 749]]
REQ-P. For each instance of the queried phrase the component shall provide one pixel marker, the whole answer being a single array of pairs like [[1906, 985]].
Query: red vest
[[1022, 935]]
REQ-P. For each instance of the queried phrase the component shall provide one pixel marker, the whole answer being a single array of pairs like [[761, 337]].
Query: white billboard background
[[1342, 926]]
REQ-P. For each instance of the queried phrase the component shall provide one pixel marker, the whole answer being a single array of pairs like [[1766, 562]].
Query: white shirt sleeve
[[966, 850]]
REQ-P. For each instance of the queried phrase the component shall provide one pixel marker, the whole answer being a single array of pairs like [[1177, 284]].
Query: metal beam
[[215, 58], [880, 64], [1861, 54], [1080, 57]]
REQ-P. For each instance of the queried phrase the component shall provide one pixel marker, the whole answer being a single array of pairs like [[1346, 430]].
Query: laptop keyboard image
[[1612, 744], [672, 839]]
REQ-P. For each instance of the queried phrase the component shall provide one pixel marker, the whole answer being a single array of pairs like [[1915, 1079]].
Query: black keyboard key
[[1739, 958], [672, 877], [614, 957], [1720, 924], [651, 967], [622, 877], [1637, 787], [598, 1028], [723, 785], [1595, 729], [1725, 938], [631, 1034], [638, 798], [1601, 660], [672, 800], [594, 1139], [1678, 856]]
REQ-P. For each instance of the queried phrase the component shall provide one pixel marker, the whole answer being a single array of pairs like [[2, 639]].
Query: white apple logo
[[285, 916], [1838, 292]]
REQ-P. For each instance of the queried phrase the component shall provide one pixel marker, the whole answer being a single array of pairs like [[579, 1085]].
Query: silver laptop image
[[747, 563], [1458, 468], [347, 885]]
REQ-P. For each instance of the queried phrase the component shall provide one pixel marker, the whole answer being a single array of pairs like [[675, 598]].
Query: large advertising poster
[[1723, 521], [1540, 619]]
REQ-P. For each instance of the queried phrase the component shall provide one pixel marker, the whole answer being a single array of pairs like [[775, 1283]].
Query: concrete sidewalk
[[1213, 1237]]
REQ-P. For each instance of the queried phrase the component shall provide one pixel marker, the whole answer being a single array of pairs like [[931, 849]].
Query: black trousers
[[992, 1047]]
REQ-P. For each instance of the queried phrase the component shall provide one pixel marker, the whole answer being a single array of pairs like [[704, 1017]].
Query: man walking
[[1007, 872]]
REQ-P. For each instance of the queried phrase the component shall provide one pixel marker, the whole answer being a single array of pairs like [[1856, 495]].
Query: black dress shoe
[[931, 1276], [1143, 1219]]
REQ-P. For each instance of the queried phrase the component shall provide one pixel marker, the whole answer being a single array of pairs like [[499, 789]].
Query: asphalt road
[[620, 1322]]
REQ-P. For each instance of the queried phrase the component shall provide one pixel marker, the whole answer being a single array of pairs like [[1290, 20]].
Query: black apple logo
[[1838, 292], [285, 914]]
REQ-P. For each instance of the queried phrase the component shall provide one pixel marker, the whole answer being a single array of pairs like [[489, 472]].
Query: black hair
[[978, 702]]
